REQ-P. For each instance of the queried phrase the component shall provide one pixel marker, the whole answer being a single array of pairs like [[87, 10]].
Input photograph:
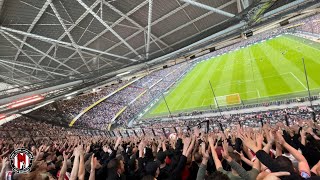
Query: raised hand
[[271, 137], [249, 142], [76, 151], [196, 132], [280, 138], [310, 130], [259, 138], [240, 154], [302, 133], [93, 162], [117, 143], [205, 155], [203, 148], [211, 140], [186, 142], [5, 162], [224, 152]]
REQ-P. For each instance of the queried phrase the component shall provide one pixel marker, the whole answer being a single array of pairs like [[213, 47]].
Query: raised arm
[[234, 165], [5, 163], [302, 162], [216, 159], [93, 164], [303, 137], [310, 131], [244, 159], [81, 171], [75, 168], [268, 146], [64, 166], [202, 169]]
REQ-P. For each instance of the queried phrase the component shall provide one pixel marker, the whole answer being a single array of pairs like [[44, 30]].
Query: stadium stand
[[61, 153]]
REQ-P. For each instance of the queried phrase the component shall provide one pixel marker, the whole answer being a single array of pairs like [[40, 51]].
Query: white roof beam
[[239, 6], [14, 81], [184, 25], [108, 27], [65, 10], [6, 66], [149, 28], [8, 39], [134, 23], [32, 47], [72, 27], [53, 41], [69, 35], [245, 3], [153, 23], [114, 24], [34, 22], [29, 67], [209, 8]]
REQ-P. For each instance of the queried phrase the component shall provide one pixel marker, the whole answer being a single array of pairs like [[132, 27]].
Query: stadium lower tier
[[185, 149]]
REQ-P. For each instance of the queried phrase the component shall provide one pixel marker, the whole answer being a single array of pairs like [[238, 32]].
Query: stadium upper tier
[[133, 97]]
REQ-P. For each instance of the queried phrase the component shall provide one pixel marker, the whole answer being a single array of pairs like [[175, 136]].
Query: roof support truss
[[34, 22], [101, 33], [6, 66], [180, 27], [27, 66], [108, 27], [153, 37], [69, 35], [239, 6], [113, 25], [8, 39], [142, 29], [72, 27], [14, 81], [149, 28], [209, 8], [245, 3], [53, 41], [32, 47]]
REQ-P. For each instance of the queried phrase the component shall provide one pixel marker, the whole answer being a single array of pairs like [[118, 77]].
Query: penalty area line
[[298, 80]]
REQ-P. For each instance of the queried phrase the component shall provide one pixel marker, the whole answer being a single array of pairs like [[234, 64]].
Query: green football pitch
[[265, 71]]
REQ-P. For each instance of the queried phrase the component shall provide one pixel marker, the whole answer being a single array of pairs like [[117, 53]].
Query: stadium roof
[[41, 40]]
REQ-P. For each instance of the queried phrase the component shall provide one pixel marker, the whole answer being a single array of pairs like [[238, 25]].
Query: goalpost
[[230, 99]]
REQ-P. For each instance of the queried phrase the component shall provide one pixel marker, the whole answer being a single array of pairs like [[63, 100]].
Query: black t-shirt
[[164, 173]]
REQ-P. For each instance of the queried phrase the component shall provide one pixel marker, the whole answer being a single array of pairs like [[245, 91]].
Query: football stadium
[[159, 89]]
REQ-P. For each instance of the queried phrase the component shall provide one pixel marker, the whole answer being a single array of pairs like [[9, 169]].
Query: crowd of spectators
[[101, 115], [252, 119], [153, 91], [275, 150], [311, 24]]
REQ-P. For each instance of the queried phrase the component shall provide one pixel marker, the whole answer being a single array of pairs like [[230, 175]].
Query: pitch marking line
[[202, 102], [181, 101], [298, 80], [258, 93]]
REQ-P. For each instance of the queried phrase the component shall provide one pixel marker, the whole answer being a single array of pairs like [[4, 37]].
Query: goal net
[[230, 99]]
